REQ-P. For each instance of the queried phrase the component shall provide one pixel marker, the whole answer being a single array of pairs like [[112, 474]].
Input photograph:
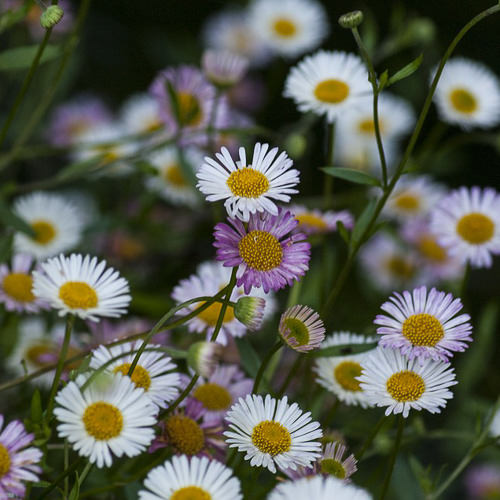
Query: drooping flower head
[[224, 68], [314, 221], [301, 328], [266, 255], [332, 463], [248, 187]]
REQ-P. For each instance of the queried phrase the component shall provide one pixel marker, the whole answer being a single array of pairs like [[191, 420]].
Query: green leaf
[[22, 57], [344, 233], [342, 350], [12, 17], [382, 81], [75, 491], [36, 407], [249, 358], [422, 474], [174, 102], [9, 218], [406, 71], [363, 221], [77, 169], [349, 174]]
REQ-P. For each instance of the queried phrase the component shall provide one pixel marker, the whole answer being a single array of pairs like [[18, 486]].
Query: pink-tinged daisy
[[301, 328], [467, 222], [424, 325], [266, 257], [209, 279], [248, 187], [390, 379], [220, 391], [224, 68], [17, 463], [314, 221], [16, 283]]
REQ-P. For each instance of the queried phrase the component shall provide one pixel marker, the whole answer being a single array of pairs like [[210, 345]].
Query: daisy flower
[[209, 279], [265, 256], [390, 379], [289, 27], [54, 219], [250, 311], [111, 415], [318, 488], [171, 182], [413, 196], [328, 83], [332, 463], [248, 187], [16, 283], [314, 221], [424, 325], [338, 374], [155, 371], [301, 328], [141, 114], [194, 478], [224, 68], [468, 94], [273, 433], [82, 286], [467, 222], [221, 390], [17, 462]]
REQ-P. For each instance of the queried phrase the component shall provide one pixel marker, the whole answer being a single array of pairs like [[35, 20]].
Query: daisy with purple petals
[[17, 465], [314, 221], [424, 325], [266, 255]]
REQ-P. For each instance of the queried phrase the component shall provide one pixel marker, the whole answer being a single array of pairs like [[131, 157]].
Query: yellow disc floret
[[189, 109], [248, 183], [45, 231], [4, 460], [210, 315], [431, 249], [173, 175], [333, 468], [423, 329], [103, 421], [331, 91], [284, 27], [345, 374], [213, 396], [185, 434], [400, 267], [312, 220], [18, 286], [140, 376], [407, 202], [476, 228], [191, 493], [463, 101], [260, 250], [271, 437], [405, 386], [78, 295]]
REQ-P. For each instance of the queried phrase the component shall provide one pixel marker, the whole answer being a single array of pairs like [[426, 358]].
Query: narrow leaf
[[406, 71], [351, 175], [363, 221], [382, 81], [22, 57], [249, 358], [342, 350], [343, 231], [36, 407]]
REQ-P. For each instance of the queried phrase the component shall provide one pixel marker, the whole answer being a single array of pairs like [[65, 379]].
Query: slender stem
[[84, 473], [70, 321], [392, 461], [59, 478], [465, 280], [275, 348], [183, 395], [333, 410], [293, 370], [330, 153], [371, 437], [66, 465]]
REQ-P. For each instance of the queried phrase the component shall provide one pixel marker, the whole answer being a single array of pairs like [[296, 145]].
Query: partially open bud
[[51, 16], [223, 68], [203, 357], [250, 311], [351, 19], [301, 328]]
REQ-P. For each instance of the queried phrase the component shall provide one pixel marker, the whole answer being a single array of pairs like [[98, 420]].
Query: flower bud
[[51, 16], [203, 357], [250, 311], [351, 19]]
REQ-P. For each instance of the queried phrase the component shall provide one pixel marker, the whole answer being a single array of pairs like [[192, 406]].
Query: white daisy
[[54, 219], [248, 187], [171, 182], [390, 379], [155, 371], [318, 488], [141, 114], [328, 83], [289, 27], [273, 433], [110, 415], [413, 196], [467, 223], [337, 374], [468, 94], [82, 286], [209, 279], [183, 478]]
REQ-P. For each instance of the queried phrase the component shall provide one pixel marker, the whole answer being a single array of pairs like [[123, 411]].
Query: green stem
[[59, 478], [328, 186], [371, 437], [465, 280], [333, 410], [293, 370], [84, 473], [70, 321], [276, 347], [392, 460]]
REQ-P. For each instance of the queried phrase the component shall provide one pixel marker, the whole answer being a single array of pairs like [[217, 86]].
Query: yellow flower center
[[476, 228], [407, 202], [140, 376], [103, 421], [4, 460], [78, 127], [35, 352], [345, 374], [18, 286], [78, 295], [191, 493], [153, 125], [185, 434], [423, 329], [405, 386], [260, 250], [271, 437], [297, 330], [368, 126], [210, 315], [213, 396], [189, 109], [247, 183], [45, 232], [333, 468], [311, 220], [431, 249], [400, 267], [284, 27], [463, 101], [173, 175], [331, 91]]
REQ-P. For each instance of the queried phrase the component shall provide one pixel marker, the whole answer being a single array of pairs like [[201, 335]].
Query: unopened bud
[[250, 311], [203, 357], [351, 19], [51, 16]]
